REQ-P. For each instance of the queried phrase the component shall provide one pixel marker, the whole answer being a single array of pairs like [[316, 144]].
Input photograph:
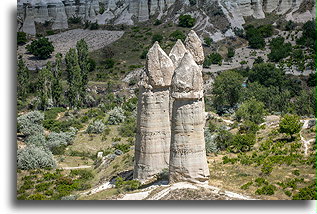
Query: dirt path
[[75, 167]]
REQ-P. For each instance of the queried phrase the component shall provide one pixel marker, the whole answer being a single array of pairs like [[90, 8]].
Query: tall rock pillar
[[153, 136], [188, 160]]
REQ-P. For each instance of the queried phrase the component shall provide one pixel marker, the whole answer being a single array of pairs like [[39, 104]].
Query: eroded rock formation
[[153, 121], [187, 153], [129, 12], [171, 114]]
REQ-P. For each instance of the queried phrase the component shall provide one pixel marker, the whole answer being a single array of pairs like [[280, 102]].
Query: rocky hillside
[[215, 17]]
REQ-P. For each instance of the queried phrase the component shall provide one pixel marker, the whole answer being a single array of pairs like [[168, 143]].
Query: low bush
[[123, 147], [266, 190], [241, 143], [306, 193], [31, 123], [246, 186], [213, 58], [33, 157], [127, 185], [95, 127], [116, 116], [177, 34]]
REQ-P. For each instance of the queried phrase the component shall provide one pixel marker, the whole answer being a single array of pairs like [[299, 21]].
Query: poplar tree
[[23, 79], [83, 61], [57, 88], [45, 86], [74, 79]]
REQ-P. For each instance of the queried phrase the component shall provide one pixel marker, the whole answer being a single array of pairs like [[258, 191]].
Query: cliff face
[[130, 11]]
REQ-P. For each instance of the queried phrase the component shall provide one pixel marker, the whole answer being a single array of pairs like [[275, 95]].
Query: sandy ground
[[62, 42]]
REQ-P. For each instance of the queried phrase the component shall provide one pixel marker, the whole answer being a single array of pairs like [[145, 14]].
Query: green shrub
[[266, 190], [21, 38], [157, 22], [37, 140], [242, 143], [30, 123], [267, 168], [251, 110], [157, 38], [213, 58], [144, 54], [116, 116], [42, 186], [177, 34], [246, 186], [186, 21], [83, 174], [41, 48], [94, 26], [37, 196], [95, 127], [74, 20], [52, 113], [127, 185], [208, 41], [109, 63], [279, 49], [59, 139], [210, 142], [254, 37], [230, 53], [306, 193], [123, 147], [290, 125], [33, 157]]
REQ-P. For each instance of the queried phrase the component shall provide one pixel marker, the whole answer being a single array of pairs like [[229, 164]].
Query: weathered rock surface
[[177, 53], [153, 120], [194, 46], [128, 11], [187, 152]]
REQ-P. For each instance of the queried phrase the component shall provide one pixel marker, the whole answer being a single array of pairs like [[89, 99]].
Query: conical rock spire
[[159, 67], [194, 45], [187, 82], [177, 53]]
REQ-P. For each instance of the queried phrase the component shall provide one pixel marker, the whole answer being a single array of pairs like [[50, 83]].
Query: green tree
[[177, 34], [254, 37], [83, 61], [157, 38], [266, 74], [251, 110], [213, 58], [227, 89], [21, 38], [305, 103], [41, 48], [279, 49], [241, 143], [73, 78], [290, 125], [186, 21], [45, 86], [23, 79], [57, 89]]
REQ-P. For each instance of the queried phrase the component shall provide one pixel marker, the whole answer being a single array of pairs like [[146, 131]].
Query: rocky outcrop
[[187, 153], [128, 11], [153, 120]]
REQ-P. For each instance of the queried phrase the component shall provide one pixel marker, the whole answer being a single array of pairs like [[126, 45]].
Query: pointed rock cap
[[177, 52], [187, 82], [159, 67], [194, 46]]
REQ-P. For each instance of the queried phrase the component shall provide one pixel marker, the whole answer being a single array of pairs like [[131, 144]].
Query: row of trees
[[50, 90]]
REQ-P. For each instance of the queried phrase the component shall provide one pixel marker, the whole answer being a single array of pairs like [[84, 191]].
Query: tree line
[[50, 91]]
